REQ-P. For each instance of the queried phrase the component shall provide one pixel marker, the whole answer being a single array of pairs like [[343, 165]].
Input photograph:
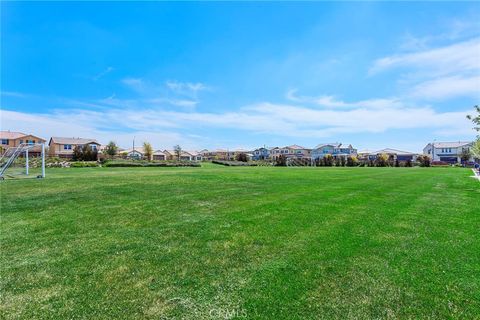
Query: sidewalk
[[476, 175]]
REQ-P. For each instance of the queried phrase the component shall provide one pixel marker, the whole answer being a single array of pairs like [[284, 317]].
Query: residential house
[[260, 154], [334, 149], [293, 151], [450, 152], [394, 155], [10, 139], [136, 153], [63, 147], [184, 155], [219, 154], [159, 155]]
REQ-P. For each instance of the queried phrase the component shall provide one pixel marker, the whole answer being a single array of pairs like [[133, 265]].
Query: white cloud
[[458, 57], [13, 94], [103, 73], [332, 102], [181, 94], [437, 74], [163, 127], [447, 87]]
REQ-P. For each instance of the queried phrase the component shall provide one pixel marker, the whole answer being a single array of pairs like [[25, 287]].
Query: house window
[[30, 141], [94, 147], [67, 147], [21, 141], [4, 141]]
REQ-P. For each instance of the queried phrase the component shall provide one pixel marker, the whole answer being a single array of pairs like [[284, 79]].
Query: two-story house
[[292, 151], [450, 152], [10, 139], [260, 154], [334, 149], [394, 154], [63, 147]]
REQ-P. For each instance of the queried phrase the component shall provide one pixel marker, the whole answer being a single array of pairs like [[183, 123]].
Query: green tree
[[382, 160], [328, 160], [476, 149], [111, 149], [88, 153], [352, 161], [242, 157], [178, 151], [475, 118], [77, 153], [148, 151], [465, 155], [281, 161]]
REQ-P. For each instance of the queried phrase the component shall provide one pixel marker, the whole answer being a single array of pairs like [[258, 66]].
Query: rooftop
[[64, 140]]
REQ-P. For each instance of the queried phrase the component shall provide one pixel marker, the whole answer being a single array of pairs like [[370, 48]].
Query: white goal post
[[10, 156]]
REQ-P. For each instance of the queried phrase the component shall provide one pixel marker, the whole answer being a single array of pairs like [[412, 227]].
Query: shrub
[[83, 164], [116, 164], [241, 157], [352, 161], [424, 161], [328, 160], [230, 163], [281, 161], [382, 160], [408, 163]]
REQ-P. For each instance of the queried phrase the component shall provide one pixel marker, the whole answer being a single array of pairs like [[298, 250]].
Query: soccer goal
[[23, 161]]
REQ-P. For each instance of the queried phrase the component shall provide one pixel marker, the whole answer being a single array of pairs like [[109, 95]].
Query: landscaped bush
[[135, 163], [439, 163], [381, 161], [83, 164], [234, 163], [281, 161], [328, 160], [352, 161], [424, 161]]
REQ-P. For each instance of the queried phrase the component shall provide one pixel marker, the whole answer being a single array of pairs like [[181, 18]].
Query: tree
[[281, 161], [88, 153], [148, 151], [242, 157], [178, 151], [352, 161], [111, 149], [338, 162], [475, 118], [465, 155], [382, 160], [328, 160], [397, 163], [77, 153], [476, 149], [424, 161]]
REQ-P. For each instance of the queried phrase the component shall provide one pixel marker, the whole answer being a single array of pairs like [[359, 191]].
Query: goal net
[[23, 161]]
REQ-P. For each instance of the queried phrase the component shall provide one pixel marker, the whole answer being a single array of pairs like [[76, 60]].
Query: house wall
[[57, 150], [446, 154], [159, 157], [24, 139]]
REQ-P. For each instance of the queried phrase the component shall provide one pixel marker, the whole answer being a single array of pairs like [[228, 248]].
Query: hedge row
[[234, 163], [83, 164], [115, 164]]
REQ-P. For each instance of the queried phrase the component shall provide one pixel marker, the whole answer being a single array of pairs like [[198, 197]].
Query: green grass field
[[250, 242]]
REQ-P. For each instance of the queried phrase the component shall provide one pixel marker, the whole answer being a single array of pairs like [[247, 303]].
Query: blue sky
[[242, 75]]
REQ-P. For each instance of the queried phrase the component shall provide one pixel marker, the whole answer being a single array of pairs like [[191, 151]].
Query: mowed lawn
[[253, 243]]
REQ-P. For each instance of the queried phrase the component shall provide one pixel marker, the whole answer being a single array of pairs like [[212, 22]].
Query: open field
[[250, 242]]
